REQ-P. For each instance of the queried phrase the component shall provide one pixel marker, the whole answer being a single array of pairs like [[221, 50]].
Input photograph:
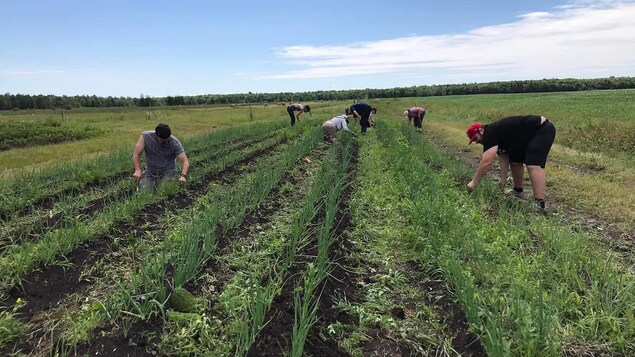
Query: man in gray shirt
[[161, 149]]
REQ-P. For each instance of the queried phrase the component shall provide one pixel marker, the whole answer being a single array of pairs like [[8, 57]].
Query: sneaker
[[513, 193], [540, 209]]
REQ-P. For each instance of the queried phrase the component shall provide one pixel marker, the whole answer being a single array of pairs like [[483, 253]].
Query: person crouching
[[333, 125]]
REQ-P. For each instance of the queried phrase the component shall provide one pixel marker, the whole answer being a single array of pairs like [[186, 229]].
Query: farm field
[[281, 244]]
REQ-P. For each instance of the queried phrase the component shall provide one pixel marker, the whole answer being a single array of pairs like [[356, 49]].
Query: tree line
[[25, 101]]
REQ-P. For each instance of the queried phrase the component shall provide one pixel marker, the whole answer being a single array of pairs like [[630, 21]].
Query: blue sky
[[159, 48]]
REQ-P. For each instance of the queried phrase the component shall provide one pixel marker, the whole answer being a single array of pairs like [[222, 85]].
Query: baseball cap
[[163, 131], [473, 130]]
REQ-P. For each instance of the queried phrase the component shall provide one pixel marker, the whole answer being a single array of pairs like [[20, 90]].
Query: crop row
[[397, 301], [20, 259]]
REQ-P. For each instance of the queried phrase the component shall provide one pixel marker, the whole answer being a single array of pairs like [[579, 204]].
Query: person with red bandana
[[519, 141]]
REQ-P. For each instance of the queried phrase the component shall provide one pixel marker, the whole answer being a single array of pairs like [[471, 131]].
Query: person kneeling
[[161, 149]]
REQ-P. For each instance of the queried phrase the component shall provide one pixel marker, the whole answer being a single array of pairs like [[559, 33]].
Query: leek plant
[[68, 210], [253, 189], [306, 306], [300, 232], [144, 283], [143, 294], [140, 303]]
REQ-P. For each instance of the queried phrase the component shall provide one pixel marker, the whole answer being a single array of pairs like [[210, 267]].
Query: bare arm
[[483, 167], [185, 163], [136, 158]]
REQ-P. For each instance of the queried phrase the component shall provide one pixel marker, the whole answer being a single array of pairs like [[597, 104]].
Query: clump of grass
[[183, 301], [10, 328]]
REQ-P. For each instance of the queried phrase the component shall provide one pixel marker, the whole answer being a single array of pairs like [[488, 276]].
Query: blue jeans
[[291, 114], [419, 120], [150, 181]]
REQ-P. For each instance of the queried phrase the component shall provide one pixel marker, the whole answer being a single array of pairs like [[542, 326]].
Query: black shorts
[[537, 150]]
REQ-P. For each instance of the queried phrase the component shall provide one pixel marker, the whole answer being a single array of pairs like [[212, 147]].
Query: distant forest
[[24, 101]]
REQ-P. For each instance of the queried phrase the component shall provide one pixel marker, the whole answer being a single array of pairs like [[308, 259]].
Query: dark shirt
[[511, 134], [362, 109]]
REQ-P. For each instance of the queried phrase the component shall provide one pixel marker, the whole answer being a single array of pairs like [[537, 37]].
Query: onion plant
[[299, 233], [306, 300]]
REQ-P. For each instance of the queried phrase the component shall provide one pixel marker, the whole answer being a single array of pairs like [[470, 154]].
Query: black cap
[[163, 131]]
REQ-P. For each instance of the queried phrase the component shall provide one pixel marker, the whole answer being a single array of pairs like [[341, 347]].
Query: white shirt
[[339, 122]]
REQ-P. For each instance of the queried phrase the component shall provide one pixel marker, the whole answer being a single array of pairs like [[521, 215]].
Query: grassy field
[[281, 244], [592, 163], [589, 122]]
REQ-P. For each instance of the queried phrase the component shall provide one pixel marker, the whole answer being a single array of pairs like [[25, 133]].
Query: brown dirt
[[381, 345], [141, 339], [456, 324]]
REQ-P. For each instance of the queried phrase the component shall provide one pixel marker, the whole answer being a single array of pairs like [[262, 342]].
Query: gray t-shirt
[[160, 157]]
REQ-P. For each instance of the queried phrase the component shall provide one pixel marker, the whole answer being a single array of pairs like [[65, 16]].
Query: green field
[[281, 244]]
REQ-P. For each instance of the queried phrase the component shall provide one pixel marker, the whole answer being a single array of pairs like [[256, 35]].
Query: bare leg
[[503, 160], [538, 181], [518, 170]]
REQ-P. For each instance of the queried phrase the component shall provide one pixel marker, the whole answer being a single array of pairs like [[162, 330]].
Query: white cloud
[[582, 38]]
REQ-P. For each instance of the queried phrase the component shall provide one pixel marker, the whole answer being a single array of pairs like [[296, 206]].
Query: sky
[[161, 48]]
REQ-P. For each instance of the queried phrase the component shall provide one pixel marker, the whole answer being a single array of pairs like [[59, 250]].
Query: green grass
[[380, 213], [14, 134], [121, 127], [593, 121]]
